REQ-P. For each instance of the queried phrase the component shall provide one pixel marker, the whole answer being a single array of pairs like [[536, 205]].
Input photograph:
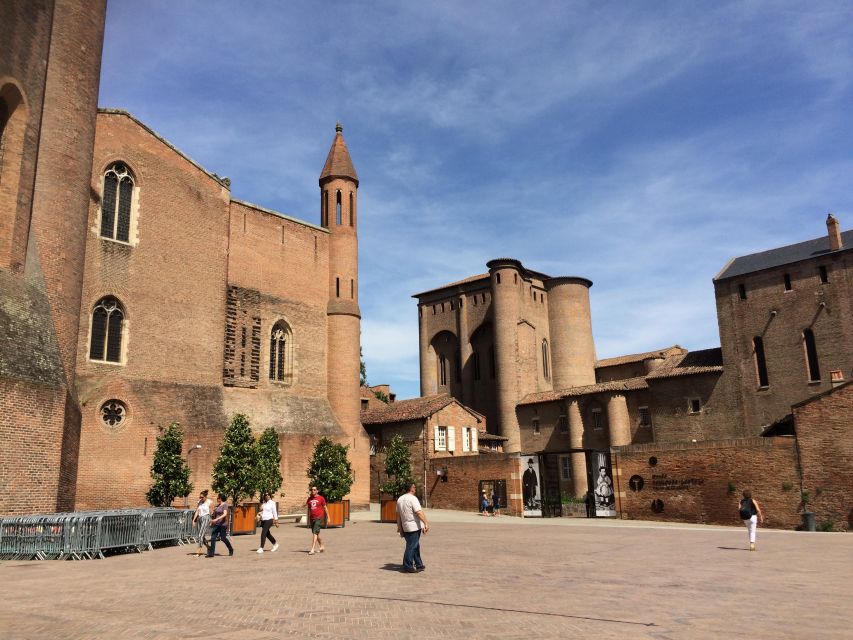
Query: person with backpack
[[751, 515]]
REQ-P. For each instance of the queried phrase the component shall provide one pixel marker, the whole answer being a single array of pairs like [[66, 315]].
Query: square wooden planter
[[388, 510]]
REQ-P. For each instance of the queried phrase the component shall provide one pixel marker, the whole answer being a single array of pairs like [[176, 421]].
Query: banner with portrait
[[531, 492], [601, 483]]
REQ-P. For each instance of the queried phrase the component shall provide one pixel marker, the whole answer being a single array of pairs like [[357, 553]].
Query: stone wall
[[702, 482]]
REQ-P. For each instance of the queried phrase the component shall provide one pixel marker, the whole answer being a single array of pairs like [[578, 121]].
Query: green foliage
[[732, 489], [268, 463], [330, 470], [826, 525], [234, 471], [787, 486], [169, 469], [362, 369], [805, 497], [398, 467], [380, 395], [568, 498]]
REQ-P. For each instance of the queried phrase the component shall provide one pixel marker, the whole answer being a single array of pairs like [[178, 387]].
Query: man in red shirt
[[317, 513]]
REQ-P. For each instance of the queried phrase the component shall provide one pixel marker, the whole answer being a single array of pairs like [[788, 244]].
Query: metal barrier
[[88, 534]]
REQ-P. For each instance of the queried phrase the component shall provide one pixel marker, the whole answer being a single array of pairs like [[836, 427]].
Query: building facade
[[517, 346], [136, 292]]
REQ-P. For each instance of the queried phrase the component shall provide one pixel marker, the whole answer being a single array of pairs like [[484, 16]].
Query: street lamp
[[192, 448]]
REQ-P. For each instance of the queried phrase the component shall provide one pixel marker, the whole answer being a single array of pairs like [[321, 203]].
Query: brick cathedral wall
[[461, 490], [693, 481]]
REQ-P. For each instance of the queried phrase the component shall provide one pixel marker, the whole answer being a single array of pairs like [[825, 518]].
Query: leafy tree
[[380, 395], [398, 467], [268, 463], [234, 471], [330, 470], [362, 368], [169, 469]]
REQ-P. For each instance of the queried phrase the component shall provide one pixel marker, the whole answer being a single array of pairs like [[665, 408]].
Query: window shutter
[[451, 438], [435, 439], [465, 439], [474, 444]]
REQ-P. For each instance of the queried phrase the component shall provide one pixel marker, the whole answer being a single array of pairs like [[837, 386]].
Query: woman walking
[[201, 520], [751, 515], [269, 516], [219, 526]]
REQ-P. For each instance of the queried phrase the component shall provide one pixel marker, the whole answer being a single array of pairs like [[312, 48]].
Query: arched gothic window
[[116, 203], [351, 209], [281, 353], [546, 367], [338, 213], [107, 326]]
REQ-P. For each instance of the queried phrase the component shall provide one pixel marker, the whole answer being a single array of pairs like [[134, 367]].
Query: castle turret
[[504, 273], [338, 214], [572, 346]]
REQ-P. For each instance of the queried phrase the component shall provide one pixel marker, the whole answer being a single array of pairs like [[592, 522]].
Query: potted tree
[[398, 469], [234, 473], [268, 464], [169, 470], [331, 472]]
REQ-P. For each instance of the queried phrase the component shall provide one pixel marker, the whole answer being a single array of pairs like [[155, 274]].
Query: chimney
[[834, 231]]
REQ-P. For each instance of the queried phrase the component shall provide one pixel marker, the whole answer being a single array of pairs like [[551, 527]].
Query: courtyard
[[485, 578]]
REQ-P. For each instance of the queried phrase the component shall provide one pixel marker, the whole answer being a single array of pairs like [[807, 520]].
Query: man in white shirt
[[410, 522]]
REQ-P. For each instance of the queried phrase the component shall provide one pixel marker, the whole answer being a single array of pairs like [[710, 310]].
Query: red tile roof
[[690, 364], [640, 357], [628, 384], [403, 410], [338, 162]]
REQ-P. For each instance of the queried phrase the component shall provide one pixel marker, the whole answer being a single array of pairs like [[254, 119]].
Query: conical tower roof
[[338, 163]]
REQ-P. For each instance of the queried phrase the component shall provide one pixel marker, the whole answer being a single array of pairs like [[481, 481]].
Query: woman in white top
[[269, 517], [201, 519]]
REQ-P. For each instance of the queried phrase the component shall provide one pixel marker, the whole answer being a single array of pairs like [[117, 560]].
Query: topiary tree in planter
[[330, 470], [234, 470], [169, 469], [398, 467], [268, 463]]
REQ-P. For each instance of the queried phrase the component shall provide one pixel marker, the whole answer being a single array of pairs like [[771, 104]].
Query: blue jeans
[[219, 532], [412, 555]]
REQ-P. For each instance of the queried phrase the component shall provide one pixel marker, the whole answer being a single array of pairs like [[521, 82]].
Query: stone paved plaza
[[485, 578]]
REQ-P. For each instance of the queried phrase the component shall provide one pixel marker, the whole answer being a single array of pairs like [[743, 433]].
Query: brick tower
[[49, 78], [338, 214]]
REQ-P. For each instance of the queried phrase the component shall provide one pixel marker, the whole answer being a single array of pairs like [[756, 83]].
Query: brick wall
[[693, 480], [672, 420], [825, 437], [461, 490]]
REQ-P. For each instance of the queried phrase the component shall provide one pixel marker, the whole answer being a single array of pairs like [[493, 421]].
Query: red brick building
[[136, 291]]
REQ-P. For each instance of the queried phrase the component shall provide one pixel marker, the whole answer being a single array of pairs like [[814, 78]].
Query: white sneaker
[[260, 550], [275, 546]]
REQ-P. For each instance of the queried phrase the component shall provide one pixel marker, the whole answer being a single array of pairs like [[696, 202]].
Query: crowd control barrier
[[88, 534]]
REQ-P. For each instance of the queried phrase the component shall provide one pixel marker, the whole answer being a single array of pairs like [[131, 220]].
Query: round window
[[113, 413]]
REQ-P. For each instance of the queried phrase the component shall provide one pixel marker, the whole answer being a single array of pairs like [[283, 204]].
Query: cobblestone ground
[[485, 578]]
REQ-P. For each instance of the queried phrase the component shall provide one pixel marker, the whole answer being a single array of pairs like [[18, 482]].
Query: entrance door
[[495, 490]]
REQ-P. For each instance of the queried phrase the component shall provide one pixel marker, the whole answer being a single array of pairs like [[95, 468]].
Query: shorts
[[316, 525]]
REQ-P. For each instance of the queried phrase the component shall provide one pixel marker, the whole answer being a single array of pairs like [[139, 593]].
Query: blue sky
[[640, 145]]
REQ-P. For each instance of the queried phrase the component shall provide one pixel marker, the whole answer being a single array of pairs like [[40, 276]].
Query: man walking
[[410, 522], [317, 514]]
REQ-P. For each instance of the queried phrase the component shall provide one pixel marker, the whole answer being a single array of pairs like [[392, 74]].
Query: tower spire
[[338, 162]]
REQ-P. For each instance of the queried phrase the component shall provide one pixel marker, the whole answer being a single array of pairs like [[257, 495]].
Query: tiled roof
[[483, 436], [338, 162], [782, 255], [402, 410], [639, 357], [482, 276], [692, 363], [628, 384], [372, 401]]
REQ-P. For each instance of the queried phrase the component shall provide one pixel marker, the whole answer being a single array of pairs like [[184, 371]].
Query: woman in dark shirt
[[219, 526]]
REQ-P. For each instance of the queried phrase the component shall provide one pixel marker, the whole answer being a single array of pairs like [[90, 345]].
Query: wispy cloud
[[638, 148]]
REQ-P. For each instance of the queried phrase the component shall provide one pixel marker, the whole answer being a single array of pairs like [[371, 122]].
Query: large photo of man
[[530, 486]]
